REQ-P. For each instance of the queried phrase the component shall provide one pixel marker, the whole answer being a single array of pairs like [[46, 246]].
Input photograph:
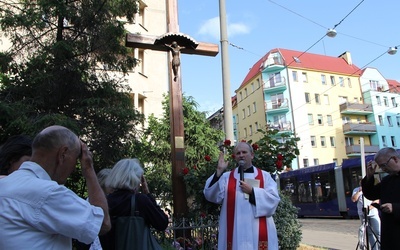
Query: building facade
[[328, 102]]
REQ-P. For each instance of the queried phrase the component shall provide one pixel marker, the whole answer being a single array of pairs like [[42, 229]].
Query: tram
[[324, 190]]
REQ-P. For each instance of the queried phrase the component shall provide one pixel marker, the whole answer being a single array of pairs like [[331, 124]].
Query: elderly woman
[[124, 181]]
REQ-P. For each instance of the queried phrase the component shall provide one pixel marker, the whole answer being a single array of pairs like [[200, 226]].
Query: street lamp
[[331, 33], [392, 50]]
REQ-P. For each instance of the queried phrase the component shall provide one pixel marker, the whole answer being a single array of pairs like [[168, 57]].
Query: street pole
[[226, 84]]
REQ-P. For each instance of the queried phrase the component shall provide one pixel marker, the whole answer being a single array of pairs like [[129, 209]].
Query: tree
[[200, 139], [66, 66]]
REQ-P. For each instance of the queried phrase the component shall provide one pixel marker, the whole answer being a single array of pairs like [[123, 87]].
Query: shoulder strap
[[133, 205]]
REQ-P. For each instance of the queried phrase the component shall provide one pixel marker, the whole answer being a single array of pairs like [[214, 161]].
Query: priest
[[249, 198]]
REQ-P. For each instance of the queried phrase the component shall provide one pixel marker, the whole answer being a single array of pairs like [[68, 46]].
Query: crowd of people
[[39, 212]]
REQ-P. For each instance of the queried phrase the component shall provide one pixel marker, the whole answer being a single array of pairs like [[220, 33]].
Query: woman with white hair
[[124, 181]]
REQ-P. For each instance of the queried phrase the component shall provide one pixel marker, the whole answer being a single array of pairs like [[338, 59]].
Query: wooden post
[[175, 92]]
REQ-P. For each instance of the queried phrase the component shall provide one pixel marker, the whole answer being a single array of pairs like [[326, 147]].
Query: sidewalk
[[330, 240]]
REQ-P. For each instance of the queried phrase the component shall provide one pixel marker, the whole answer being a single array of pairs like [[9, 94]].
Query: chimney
[[347, 57]]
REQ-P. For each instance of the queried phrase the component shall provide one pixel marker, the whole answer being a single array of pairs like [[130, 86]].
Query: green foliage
[[54, 74], [287, 225], [275, 151], [199, 138]]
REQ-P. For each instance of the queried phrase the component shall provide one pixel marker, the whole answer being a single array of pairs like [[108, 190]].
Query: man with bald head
[[249, 200], [37, 210]]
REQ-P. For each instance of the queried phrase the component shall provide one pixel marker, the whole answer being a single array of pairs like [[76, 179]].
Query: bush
[[287, 225]]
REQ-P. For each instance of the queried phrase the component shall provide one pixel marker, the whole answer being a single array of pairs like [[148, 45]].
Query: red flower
[[254, 146], [203, 215], [233, 156], [207, 158], [279, 164], [227, 142], [194, 167], [279, 157], [185, 171]]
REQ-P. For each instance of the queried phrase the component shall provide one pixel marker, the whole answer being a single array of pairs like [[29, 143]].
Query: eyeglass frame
[[384, 165]]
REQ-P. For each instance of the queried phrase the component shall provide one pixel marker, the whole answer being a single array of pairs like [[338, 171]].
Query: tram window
[[305, 192], [324, 187], [289, 188]]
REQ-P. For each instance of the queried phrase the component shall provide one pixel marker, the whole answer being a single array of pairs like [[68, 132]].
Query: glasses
[[384, 165]]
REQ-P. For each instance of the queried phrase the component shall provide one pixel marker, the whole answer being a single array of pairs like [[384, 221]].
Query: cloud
[[211, 28]]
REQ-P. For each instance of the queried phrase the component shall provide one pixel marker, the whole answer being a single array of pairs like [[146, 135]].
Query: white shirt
[[38, 213]]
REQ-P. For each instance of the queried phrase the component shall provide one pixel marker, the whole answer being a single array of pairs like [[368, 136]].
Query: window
[[313, 143], [252, 87], [305, 79], [316, 162], [349, 82], [373, 85], [342, 99], [386, 101], [307, 95], [241, 96], [341, 82], [248, 110], [335, 161], [349, 141], [345, 119], [277, 100], [398, 121], [329, 120], [141, 61], [245, 132], [258, 83], [317, 101], [384, 141], [333, 83], [320, 119], [305, 163], [394, 104], [378, 100], [310, 119], [141, 14], [256, 125], [254, 107], [355, 100], [332, 140], [244, 114], [380, 119], [323, 142], [251, 129], [393, 140], [389, 119], [245, 93], [326, 99], [323, 79], [294, 75]]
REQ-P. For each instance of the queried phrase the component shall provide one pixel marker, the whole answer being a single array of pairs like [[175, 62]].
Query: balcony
[[281, 126], [355, 109], [273, 64], [365, 128], [277, 106], [355, 150], [275, 84]]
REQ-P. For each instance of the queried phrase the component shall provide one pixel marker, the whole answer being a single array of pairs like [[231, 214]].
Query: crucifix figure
[[185, 45], [176, 61]]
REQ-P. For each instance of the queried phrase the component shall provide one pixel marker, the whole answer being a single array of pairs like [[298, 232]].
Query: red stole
[[262, 224]]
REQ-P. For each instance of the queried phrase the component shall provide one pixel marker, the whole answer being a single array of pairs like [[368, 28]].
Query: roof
[[394, 86], [307, 61]]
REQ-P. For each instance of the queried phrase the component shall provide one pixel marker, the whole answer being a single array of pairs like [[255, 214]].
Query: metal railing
[[190, 234]]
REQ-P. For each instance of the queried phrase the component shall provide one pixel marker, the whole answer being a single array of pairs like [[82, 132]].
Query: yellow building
[[316, 97]]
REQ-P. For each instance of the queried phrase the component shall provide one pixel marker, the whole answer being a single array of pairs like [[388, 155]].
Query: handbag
[[132, 232]]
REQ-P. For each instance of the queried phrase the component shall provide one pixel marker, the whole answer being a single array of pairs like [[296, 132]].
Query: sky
[[365, 28]]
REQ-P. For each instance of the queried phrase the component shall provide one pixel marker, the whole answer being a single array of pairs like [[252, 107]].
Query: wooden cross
[[175, 90]]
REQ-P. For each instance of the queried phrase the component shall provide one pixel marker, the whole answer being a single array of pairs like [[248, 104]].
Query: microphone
[[241, 166]]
